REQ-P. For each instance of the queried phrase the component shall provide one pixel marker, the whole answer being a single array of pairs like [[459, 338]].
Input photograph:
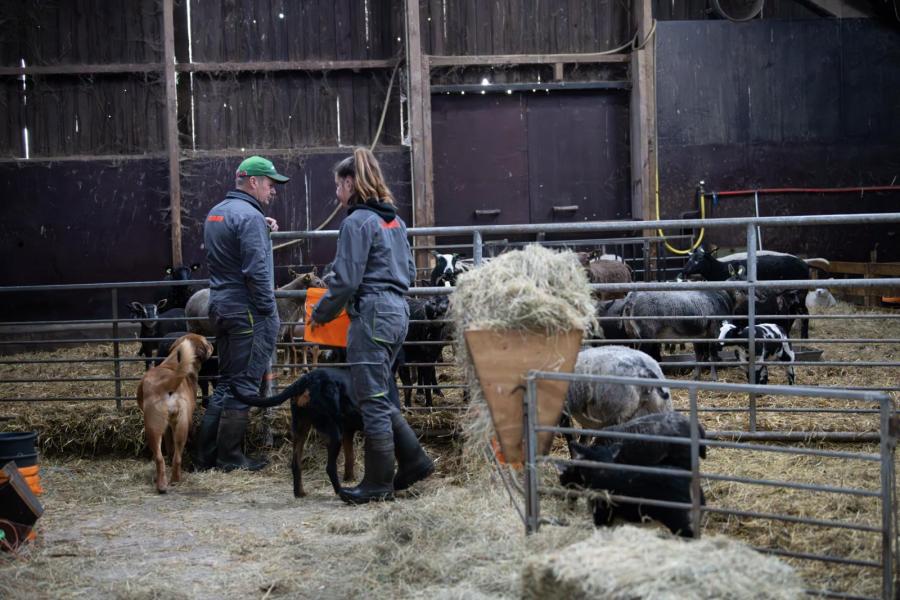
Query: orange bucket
[[31, 477], [333, 333]]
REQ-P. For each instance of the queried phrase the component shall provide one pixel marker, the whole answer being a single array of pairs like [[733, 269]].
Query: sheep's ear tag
[[502, 360], [731, 270]]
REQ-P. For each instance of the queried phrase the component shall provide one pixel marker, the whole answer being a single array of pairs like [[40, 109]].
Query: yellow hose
[[669, 247]]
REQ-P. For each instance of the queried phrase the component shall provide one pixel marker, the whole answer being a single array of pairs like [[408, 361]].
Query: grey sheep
[[702, 304], [598, 405]]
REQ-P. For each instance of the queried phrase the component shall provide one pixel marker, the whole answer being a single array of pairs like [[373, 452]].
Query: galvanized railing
[[887, 438], [479, 233]]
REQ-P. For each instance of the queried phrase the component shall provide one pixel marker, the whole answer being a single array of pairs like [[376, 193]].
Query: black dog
[[324, 399]]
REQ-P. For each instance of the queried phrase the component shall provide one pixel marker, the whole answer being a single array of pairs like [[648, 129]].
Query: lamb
[[771, 344], [598, 405], [705, 305], [819, 298]]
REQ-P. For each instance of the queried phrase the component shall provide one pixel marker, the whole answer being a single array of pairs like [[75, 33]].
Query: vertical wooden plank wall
[[643, 117], [172, 147]]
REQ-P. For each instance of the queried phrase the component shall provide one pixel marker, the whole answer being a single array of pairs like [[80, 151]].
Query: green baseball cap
[[257, 165]]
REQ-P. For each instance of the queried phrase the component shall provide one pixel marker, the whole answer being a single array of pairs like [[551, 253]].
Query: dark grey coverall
[[241, 295], [373, 268]]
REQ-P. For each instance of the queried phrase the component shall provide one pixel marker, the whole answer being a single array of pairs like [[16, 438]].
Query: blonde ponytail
[[366, 172]]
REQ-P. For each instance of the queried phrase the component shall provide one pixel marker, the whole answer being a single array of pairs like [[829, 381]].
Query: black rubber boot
[[377, 481], [229, 456], [413, 464], [206, 439]]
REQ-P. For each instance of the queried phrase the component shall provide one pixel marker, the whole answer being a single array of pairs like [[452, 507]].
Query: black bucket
[[18, 447]]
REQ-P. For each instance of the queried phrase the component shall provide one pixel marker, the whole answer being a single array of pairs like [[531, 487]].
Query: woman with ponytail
[[372, 271]]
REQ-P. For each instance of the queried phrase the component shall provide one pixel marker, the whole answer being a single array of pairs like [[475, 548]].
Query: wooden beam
[[172, 130], [643, 118], [286, 65], [419, 96], [108, 69], [203, 67], [891, 269], [525, 59]]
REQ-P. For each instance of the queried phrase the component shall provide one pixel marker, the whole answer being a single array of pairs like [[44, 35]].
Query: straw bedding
[[630, 562]]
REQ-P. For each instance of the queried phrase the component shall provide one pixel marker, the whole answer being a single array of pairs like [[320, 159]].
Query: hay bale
[[535, 290], [634, 562]]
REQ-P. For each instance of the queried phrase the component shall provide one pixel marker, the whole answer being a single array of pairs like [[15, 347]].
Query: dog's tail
[[185, 358], [295, 389]]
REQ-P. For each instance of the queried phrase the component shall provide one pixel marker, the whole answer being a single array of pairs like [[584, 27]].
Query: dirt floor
[[106, 533]]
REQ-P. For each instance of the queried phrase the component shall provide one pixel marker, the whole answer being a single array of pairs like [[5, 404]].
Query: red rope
[[792, 190]]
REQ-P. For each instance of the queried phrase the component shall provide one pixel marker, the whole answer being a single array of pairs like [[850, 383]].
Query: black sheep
[[671, 488]]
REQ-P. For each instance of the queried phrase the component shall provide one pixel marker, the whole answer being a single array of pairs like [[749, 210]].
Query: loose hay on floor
[[630, 562]]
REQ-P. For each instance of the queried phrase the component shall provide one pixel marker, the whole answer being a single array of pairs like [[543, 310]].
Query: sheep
[[702, 304], [648, 453], [771, 344], [819, 298], [608, 271], [597, 405], [155, 325], [671, 488], [431, 309], [612, 328]]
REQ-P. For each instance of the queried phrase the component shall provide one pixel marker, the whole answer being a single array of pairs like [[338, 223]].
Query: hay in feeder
[[533, 290], [634, 562]]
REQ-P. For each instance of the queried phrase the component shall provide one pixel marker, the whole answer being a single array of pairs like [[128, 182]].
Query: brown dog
[[167, 395]]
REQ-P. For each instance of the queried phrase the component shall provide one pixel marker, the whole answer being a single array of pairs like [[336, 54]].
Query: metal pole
[[695, 465], [758, 230], [532, 506], [751, 319], [887, 505], [115, 332], [477, 247], [647, 260], [268, 413]]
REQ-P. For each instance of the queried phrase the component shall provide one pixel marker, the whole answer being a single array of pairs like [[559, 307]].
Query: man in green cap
[[242, 305]]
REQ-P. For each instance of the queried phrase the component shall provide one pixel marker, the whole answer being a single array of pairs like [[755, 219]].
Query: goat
[[701, 304], [324, 400], [771, 344], [431, 309], [155, 325], [166, 396], [597, 405], [648, 486]]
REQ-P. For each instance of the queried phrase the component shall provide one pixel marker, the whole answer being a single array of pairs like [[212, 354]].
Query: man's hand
[[272, 223], [313, 324]]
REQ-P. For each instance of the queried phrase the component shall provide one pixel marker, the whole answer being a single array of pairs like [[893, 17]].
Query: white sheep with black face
[[598, 405]]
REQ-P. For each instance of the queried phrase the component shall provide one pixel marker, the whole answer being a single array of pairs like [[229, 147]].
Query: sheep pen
[[100, 506]]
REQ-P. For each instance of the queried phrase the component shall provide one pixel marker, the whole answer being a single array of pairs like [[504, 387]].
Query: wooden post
[[419, 94], [643, 118], [172, 130]]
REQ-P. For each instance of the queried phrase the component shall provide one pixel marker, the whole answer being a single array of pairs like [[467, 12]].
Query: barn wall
[[94, 221], [779, 104]]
